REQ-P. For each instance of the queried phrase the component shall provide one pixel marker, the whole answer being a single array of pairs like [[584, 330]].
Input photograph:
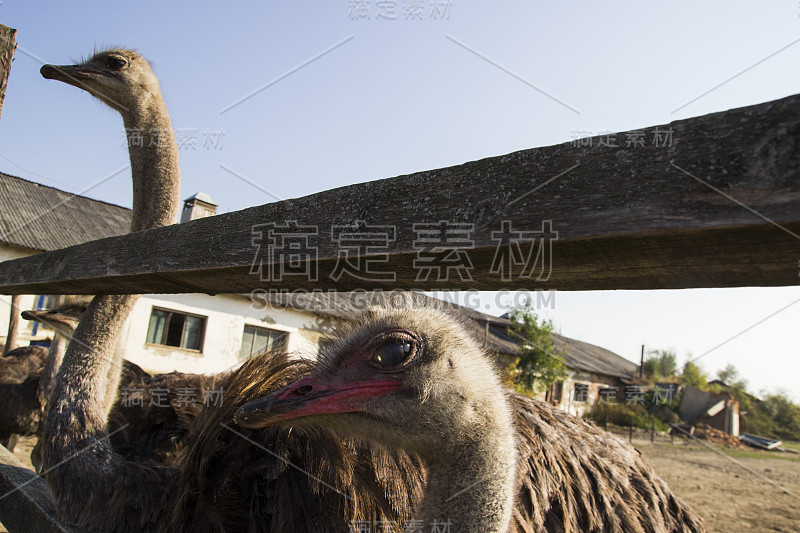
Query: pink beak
[[308, 397]]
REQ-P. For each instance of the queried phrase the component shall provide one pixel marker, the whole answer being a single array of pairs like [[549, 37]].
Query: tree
[[728, 374], [538, 362], [693, 375], [660, 364], [784, 414]]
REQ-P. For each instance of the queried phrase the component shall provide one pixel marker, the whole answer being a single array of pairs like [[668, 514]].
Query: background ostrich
[[409, 376], [62, 320], [17, 367], [21, 391], [19, 380], [17, 364]]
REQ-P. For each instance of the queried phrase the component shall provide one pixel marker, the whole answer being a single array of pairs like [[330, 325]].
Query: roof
[[578, 355], [43, 218]]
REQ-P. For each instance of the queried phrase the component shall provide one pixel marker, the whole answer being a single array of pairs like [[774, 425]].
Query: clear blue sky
[[397, 96]]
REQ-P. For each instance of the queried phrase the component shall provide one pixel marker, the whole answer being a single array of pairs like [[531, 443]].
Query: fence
[[716, 203]]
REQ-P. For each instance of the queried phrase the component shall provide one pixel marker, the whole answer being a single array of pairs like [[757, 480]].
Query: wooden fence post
[[13, 324], [8, 44]]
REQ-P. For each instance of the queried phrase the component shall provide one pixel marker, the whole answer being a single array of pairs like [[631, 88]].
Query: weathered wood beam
[[25, 503], [8, 45], [712, 201]]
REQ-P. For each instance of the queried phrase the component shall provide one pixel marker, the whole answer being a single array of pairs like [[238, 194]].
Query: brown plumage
[[20, 363], [409, 376], [19, 380], [152, 428]]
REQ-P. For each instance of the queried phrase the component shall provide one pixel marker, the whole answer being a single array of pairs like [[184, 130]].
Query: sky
[[277, 100]]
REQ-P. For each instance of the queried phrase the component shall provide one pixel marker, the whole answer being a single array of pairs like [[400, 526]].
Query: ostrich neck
[[154, 164], [78, 410], [471, 481]]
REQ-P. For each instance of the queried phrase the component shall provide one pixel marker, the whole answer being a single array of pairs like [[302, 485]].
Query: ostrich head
[[120, 78], [63, 319], [403, 376]]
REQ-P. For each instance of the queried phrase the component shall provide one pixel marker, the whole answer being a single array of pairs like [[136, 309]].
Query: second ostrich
[[409, 376]]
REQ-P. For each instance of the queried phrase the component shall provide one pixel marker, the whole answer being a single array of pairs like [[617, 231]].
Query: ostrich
[[87, 380], [22, 394], [62, 320], [408, 376], [18, 370], [19, 363]]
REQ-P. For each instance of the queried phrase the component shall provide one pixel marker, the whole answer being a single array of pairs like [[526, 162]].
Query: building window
[[259, 340], [581, 393], [170, 328], [554, 392]]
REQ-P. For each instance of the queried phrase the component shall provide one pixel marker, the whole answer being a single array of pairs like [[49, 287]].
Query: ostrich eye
[[115, 63], [392, 352]]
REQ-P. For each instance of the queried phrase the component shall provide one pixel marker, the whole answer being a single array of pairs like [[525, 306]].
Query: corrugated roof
[[43, 218], [578, 355]]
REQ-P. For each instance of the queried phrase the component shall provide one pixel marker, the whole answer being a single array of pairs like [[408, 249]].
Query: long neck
[[154, 164], [471, 480]]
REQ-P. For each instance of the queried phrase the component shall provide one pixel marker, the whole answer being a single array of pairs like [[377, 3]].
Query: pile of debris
[[707, 434], [716, 436]]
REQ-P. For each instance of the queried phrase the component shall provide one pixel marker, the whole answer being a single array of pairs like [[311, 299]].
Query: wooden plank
[[712, 201], [25, 503], [8, 45]]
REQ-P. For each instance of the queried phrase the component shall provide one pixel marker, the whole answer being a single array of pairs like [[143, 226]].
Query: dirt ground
[[730, 498]]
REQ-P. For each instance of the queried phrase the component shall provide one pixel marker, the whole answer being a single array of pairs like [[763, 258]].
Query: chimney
[[199, 205]]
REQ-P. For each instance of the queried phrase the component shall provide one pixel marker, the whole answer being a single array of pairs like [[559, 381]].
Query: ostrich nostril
[[305, 389]]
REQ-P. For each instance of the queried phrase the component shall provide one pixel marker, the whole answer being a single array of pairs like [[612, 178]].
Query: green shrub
[[622, 414]]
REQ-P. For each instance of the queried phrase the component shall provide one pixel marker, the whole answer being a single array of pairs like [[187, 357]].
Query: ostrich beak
[[71, 74], [35, 315], [308, 397]]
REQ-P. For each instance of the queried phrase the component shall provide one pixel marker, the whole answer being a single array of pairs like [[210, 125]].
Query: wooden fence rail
[[712, 201]]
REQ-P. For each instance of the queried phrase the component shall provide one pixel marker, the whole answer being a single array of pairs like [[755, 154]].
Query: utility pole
[[641, 363]]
